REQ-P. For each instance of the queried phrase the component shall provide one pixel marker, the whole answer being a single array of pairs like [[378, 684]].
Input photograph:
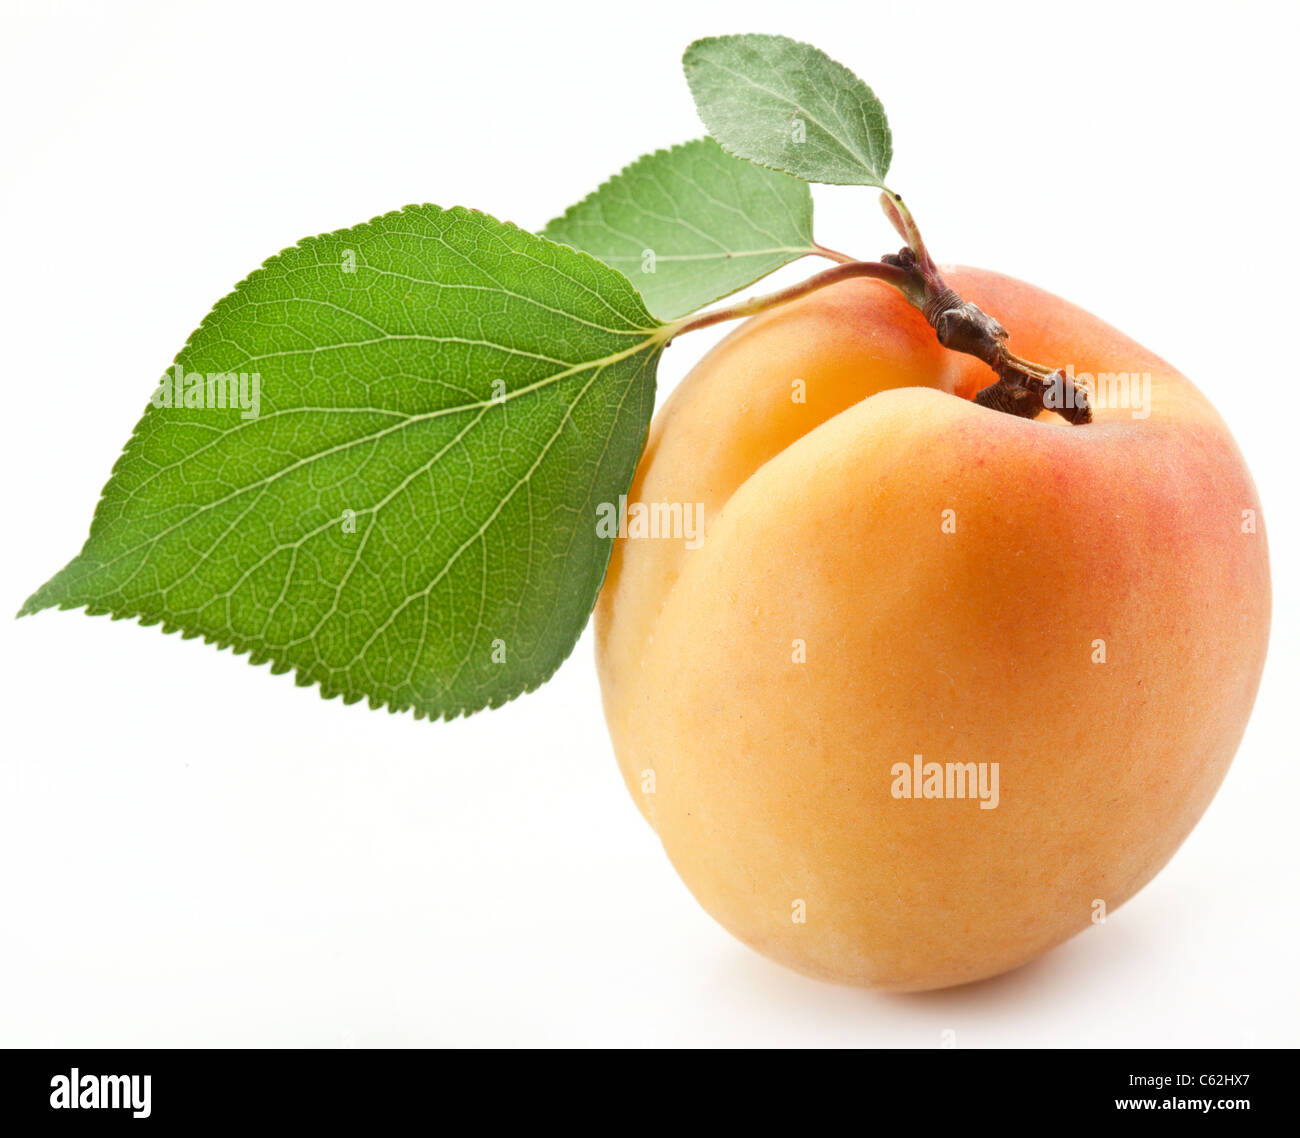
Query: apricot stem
[[1023, 388], [832, 254], [900, 217], [900, 278]]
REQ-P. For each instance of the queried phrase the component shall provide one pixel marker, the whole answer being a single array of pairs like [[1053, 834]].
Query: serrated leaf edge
[[665, 151], [879, 183], [257, 658]]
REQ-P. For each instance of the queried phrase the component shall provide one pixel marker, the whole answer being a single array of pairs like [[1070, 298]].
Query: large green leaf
[[692, 224], [788, 106], [410, 517]]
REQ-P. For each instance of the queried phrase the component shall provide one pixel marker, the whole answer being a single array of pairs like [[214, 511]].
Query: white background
[[194, 852]]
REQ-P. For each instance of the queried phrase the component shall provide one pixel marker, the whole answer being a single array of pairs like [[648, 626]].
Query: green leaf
[[789, 106], [691, 224], [410, 516]]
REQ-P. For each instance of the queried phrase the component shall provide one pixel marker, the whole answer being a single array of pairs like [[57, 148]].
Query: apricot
[[888, 571]]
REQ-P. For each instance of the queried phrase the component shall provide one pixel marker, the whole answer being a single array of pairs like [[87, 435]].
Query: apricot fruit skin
[[769, 781]]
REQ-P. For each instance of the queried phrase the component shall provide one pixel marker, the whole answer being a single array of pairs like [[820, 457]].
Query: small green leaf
[[402, 507], [691, 224], [788, 106]]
